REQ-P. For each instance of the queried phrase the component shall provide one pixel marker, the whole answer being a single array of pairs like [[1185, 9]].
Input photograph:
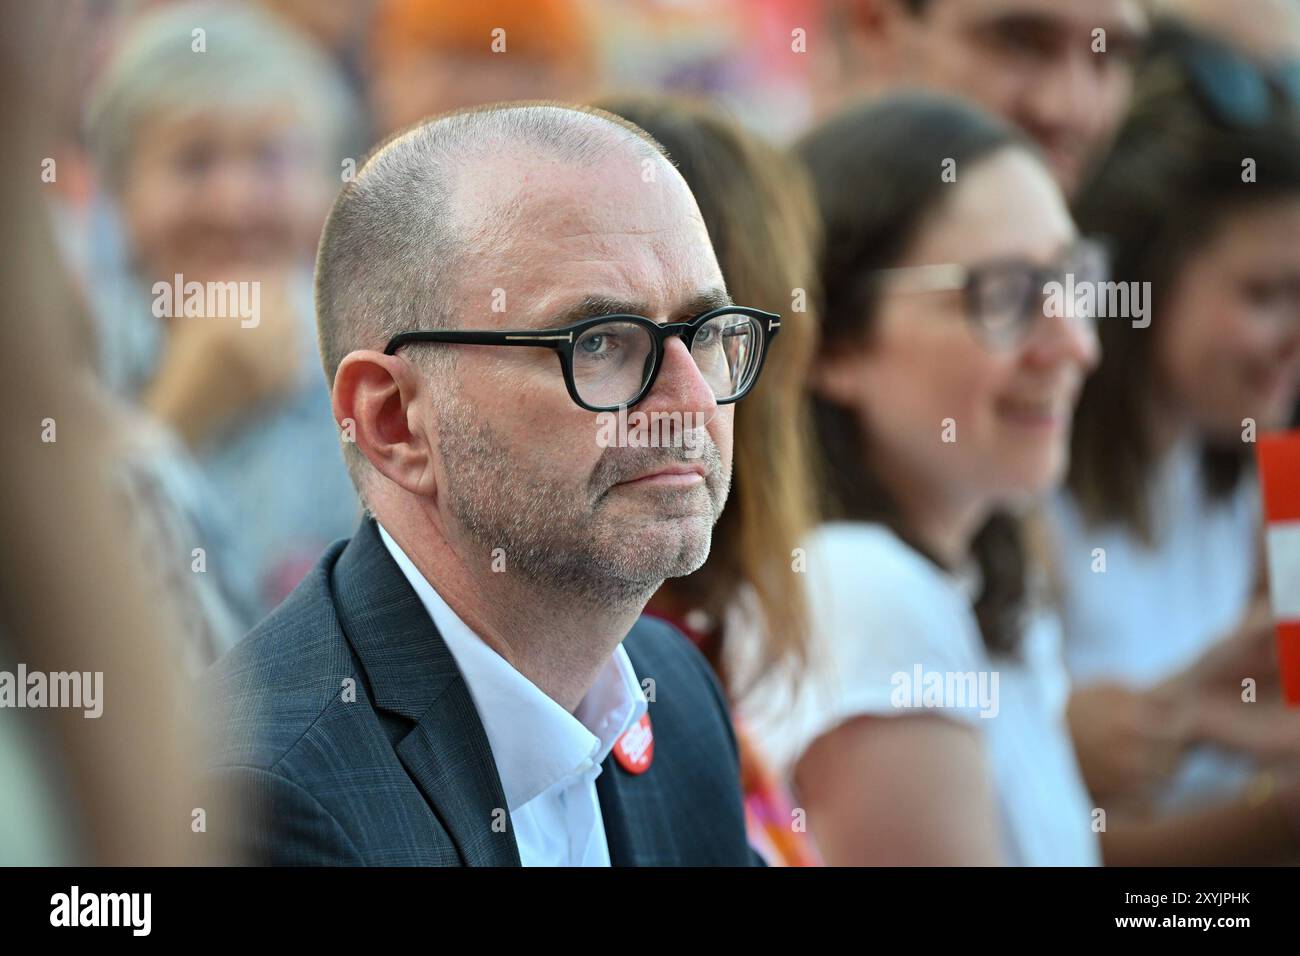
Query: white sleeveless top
[[1151, 610], [893, 633]]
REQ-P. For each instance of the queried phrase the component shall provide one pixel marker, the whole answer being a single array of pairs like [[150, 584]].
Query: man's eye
[[596, 344], [1025, 39]]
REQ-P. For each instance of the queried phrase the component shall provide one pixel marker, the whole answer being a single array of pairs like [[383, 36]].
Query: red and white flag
[[1279, 472]]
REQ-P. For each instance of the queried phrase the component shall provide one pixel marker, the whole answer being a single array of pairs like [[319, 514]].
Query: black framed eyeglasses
[[1004, 298], [612, 361]]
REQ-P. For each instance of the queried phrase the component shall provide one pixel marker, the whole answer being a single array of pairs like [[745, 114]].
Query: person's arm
[[1128, 741], [1268, 731], [1248, 650], [1260, 827], [214, 369], [911, 791], [1258, 724]]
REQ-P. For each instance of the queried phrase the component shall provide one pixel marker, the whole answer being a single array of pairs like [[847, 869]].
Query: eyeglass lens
[[612, 361]]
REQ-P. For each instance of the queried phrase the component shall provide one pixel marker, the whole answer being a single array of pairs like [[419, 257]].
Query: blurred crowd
[[1092, 536]]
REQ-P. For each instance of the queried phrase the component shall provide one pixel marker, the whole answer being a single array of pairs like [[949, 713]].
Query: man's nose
[[235, 191], [681, 387], [1067, 96]]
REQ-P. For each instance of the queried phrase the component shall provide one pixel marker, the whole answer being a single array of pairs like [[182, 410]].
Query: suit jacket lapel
[[636, 821], [411, 672]]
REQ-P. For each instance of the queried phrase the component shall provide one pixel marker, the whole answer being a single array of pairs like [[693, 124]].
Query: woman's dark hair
[[876, 171], [1174, 177]]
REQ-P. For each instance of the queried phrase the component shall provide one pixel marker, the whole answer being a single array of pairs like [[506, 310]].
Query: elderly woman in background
[[757, 207], [220, 137]]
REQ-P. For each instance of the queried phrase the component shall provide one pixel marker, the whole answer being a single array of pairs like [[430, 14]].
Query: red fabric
[[1279, 472], [1279, 475]]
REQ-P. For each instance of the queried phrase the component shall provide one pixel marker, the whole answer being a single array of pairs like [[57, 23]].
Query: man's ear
[[376, 396]]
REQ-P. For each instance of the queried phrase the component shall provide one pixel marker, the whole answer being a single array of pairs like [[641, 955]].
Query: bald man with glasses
[[468, 680]]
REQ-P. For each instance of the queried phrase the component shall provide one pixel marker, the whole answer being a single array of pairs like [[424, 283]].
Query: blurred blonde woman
[[757, 207]]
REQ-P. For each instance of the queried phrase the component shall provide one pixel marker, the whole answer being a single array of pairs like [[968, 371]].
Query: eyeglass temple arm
[[932, 278], [772, 326], [546, 339]]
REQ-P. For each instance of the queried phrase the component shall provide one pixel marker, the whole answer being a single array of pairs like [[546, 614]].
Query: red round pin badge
[[636, 748]]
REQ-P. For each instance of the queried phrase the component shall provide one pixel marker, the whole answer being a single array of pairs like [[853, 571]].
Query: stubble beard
[[587, 542]]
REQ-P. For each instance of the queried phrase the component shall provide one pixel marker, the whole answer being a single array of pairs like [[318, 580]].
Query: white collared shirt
[[547, 758]]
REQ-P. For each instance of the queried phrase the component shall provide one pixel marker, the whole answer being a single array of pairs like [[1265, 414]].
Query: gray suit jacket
[[403, 775]]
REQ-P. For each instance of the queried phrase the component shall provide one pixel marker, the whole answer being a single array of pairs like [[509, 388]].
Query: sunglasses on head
[[1234, 89]]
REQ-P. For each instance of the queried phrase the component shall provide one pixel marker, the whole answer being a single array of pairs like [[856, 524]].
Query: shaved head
[[434, 197]]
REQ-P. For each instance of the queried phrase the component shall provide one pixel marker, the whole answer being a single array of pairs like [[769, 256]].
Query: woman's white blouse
[[894, 633], [1137, 613]]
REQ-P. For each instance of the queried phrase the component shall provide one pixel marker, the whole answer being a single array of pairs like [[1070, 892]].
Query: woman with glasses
[[931, 726], [1177, 717]]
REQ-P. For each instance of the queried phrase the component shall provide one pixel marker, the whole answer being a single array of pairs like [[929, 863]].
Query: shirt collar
[[535, 742]]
